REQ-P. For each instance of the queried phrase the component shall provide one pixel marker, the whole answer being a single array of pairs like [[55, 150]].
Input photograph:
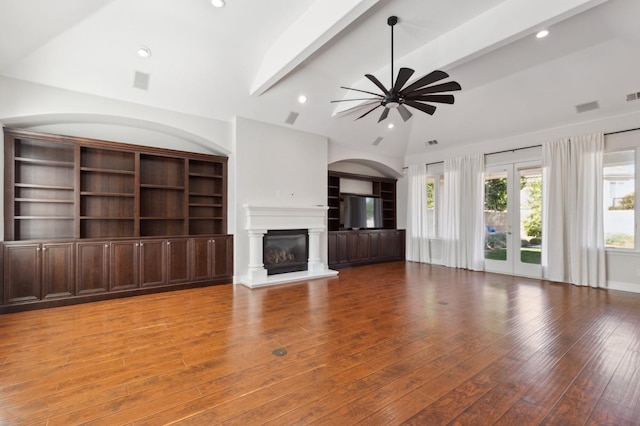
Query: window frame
[[636, 234]]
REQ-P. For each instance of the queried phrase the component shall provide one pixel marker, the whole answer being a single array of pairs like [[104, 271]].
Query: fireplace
[[261, 221], [285, 250]]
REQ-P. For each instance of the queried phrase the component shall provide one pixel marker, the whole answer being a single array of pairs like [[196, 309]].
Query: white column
[[315, 262], [257, 271]]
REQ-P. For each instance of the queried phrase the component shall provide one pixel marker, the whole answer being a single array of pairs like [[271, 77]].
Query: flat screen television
[[361, 212]]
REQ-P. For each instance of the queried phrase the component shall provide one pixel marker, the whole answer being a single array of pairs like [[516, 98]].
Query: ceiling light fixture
[[542, 34], [302, 99], [218, 3], [390, 126], [144, 52]]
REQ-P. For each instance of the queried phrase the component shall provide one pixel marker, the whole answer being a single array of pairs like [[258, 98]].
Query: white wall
[[275, 166], [44, 108]]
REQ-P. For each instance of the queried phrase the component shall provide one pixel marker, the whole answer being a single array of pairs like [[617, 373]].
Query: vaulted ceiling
[[253, 58]]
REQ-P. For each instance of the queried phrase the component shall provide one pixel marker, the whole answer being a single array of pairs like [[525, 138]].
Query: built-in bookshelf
[[62, 187], [385, 188]]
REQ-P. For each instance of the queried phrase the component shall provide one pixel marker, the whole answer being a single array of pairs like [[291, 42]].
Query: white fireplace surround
[[261, 219]]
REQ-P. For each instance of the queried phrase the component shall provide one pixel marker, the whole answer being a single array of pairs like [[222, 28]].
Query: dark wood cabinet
[[178, 260], [352, 248], [92, 267], [153, 263], [211, 257], [123, 266], [88, 220], [35, 272]]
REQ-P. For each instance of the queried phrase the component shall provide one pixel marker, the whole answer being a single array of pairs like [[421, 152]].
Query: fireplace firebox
[[285, 251]]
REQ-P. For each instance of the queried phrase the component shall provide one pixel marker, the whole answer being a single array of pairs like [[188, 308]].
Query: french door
[[513, 219]]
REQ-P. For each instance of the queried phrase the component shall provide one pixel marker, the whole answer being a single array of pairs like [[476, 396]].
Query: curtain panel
[[463, 224], [572, 218], [417, 228]]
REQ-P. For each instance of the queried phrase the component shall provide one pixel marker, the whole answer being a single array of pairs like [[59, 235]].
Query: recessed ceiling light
[[144, 52], [218, 3], [302, 99], [390, 126], [542, 34]]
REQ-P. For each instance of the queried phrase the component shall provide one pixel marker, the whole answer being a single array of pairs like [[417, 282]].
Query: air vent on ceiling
[[633, 96], [141, 80], [431, 142], [589, 106], [293, 116], [377, 141]]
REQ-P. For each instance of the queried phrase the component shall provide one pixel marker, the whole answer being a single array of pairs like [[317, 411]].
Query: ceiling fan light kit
[[419, 95]]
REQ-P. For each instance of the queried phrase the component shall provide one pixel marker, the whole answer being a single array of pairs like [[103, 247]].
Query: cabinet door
[[364, 246], [332, 248], [374, 245], [342, 245], [93, 267], [202, 259], [57, 270], [153, 263], [178, 260], [22, 281], [222, 256], [123, 265]]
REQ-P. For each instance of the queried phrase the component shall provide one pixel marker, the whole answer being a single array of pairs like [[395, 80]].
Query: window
[[619, 199], [435, 195]]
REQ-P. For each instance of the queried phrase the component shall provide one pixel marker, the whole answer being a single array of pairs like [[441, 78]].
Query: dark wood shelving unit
[[96, 219], [352, 248]]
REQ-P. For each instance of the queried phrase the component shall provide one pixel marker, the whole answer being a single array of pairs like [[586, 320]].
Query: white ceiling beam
[[319, 24], [497, 27]]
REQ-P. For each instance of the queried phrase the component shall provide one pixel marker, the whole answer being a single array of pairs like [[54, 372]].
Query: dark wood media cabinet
[[352, 248], [89, 220]]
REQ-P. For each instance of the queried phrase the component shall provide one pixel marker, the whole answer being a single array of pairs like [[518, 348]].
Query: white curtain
[[417, 229], [572, 217], [463, 224]]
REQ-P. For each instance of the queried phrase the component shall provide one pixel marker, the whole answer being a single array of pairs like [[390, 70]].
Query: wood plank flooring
[[396, 343]]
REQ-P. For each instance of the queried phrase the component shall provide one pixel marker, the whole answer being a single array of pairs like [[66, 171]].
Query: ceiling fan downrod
[[391, 21]]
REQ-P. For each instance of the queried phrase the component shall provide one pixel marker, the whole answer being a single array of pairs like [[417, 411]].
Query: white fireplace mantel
[[260, 219]]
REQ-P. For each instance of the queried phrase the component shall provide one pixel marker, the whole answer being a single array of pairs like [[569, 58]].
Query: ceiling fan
[[419, 94]]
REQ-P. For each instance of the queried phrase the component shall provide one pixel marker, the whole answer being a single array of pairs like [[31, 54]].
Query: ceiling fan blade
[[377, 106], [375, 81], [356, 99], [403, 76], [404, 112], [432, 77], [383, 115], [363, 91], [358, 107], [449, 86], [429, 109], [443, 99]]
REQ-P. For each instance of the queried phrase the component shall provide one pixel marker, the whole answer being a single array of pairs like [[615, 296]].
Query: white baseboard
[[630, 287]]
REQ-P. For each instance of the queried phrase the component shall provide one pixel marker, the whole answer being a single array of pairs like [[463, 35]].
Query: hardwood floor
[[396, 343]]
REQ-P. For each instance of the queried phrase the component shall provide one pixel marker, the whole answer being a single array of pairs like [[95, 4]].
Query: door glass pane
[[495, 215], [530, 215], [619, 199]]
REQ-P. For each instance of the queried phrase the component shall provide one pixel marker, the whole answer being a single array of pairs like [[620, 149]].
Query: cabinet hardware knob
[[168, 242], [44, 248], [106, 245], [37, 248], [141, 244]]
